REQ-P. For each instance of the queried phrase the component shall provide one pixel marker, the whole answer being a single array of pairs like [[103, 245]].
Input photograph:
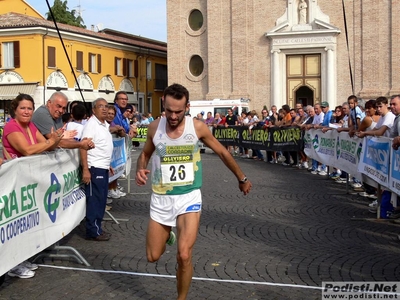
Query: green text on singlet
[[177, 169]]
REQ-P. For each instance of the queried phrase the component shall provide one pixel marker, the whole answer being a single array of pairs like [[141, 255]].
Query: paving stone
[[294, 228]]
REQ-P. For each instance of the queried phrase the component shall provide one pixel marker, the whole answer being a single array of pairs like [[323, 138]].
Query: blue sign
[[378, 155]]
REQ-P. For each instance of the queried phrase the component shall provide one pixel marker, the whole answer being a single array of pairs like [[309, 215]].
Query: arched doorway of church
[[303, 78], [305, 95]]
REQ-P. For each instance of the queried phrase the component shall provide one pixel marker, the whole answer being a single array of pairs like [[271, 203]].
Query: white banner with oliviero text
[[41, 201]]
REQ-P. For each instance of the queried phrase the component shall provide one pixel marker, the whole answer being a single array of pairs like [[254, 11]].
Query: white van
[[218, 105]]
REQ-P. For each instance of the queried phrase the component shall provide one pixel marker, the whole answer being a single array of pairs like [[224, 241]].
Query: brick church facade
[[284, 51]]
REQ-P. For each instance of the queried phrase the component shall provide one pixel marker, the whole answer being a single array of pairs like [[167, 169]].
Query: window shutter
[[90, 62], [124, 67], [129, 66], [116, 66], [136, 68], [17, 62], [1, 58], [99, 63], [51, 57], [79, 60]]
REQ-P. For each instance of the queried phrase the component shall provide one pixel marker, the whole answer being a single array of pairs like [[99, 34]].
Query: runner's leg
[[187, 228], [157, 236]]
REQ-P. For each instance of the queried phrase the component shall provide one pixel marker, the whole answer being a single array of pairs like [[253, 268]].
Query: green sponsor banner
[[141, 134], [273, 139]]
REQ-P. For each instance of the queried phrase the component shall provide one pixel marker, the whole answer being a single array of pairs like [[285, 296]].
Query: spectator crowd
[[31, 132], [375, 117]]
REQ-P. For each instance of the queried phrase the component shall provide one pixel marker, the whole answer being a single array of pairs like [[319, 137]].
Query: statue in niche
[[303, 12]]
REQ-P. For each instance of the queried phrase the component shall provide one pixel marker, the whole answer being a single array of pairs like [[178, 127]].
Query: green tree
[[63, 15]]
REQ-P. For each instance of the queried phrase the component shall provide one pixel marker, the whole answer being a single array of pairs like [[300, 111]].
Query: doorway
[[305, 95], [303, 79]]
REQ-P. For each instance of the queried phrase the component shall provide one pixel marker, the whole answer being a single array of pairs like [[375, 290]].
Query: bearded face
[[175, 110]]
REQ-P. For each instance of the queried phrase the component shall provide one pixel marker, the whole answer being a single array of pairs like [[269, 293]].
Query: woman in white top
[[384, 123], [369, 123], [371, 116]]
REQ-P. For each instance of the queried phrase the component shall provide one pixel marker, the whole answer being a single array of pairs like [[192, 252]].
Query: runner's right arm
[[144, 157]]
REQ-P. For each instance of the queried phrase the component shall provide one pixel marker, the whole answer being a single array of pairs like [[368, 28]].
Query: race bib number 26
[[177, 173]]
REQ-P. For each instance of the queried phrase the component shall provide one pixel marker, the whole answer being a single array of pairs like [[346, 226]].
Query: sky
[[146, 18]]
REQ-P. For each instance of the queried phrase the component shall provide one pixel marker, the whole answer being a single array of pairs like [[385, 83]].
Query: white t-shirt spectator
[[76, 126], [254, 120], [100, 156], [386, 120], [318, 119], [346, 121]]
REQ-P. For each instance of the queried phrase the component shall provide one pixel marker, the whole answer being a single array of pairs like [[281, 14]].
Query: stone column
[[275, 79], [330, 72]]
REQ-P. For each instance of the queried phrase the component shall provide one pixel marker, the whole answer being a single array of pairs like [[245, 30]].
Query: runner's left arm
[[210, 141]]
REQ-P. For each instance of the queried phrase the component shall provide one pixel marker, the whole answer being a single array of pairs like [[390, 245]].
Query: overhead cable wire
[[65, 49], [348, 47]]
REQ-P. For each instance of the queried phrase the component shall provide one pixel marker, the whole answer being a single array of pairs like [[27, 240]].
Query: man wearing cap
[[318, 121], [327, 114], [325, 123]]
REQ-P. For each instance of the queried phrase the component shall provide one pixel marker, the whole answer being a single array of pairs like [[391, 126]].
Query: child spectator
[[78, 115]]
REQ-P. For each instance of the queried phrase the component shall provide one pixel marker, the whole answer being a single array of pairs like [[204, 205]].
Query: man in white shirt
[[95, 167], [318, 119]]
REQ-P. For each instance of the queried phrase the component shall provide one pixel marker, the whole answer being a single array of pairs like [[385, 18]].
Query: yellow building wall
[[140, 84], [18, 6], [31, 56], [151, 85], [34, 64], [107, 60]]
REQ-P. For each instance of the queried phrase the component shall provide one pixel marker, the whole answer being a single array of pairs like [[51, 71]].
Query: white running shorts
[[164, 209]]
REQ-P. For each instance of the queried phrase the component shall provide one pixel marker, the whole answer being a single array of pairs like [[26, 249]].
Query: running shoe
[[113, 194], [172, 238], [21, 272], [29, 265]]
